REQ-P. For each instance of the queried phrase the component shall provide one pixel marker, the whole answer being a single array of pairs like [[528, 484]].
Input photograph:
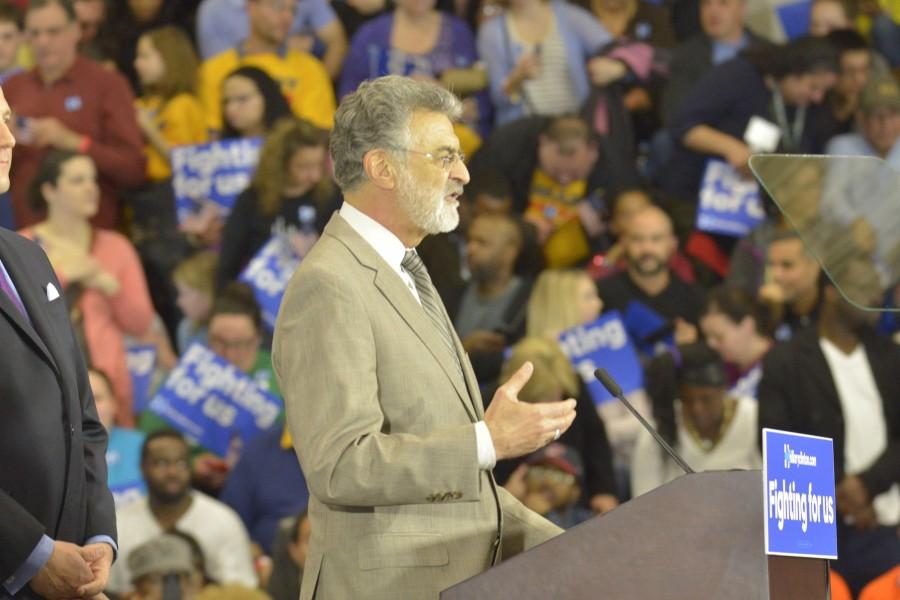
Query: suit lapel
[[33, 298], [399, 297]]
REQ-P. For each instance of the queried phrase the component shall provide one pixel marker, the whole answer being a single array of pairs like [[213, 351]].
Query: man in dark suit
[[723, 37], [57, 518], [840, 380]]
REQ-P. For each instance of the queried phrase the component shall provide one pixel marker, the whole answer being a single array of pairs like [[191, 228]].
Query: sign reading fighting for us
[[217, 172], [603, 343], [729, 204], [269, 273], [212, 402], [800, 503]]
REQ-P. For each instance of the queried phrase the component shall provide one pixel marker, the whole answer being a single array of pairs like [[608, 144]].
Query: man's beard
[[645, 267], [427, 209]]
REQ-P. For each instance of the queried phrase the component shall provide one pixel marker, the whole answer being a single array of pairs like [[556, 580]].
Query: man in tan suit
[[382, 403]]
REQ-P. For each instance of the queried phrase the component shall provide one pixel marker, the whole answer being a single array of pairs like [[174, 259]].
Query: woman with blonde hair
[[560, 300], [168, 110], [291, 194], [554, 379], [566, 298]]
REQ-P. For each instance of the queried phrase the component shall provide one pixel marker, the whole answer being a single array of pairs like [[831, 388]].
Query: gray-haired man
[[381, 400]]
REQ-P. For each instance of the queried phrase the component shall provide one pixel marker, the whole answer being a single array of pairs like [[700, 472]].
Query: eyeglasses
[[444, 161]]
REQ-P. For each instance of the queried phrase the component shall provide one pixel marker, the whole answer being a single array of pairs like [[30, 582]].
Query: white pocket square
[[52, 292]]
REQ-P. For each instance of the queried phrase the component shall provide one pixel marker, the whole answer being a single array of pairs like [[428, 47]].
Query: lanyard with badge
[[791, 133]]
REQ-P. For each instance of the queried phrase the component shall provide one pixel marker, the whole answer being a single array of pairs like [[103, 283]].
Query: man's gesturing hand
[[518, 428]]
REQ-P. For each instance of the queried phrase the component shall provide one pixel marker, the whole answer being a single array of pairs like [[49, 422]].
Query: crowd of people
[[588, 129]]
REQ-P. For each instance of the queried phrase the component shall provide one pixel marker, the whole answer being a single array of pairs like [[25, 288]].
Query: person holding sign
[[291, 195], [696, 415], [648, 280], [840, 380], [381, 400]]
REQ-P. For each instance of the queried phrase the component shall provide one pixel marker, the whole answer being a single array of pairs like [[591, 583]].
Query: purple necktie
[[8, 290]]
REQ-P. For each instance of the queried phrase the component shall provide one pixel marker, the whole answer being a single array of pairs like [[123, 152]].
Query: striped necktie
[[429, 299]]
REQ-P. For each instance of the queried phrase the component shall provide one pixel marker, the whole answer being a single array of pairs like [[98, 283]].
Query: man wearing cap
[[879, 119], [162, 564]]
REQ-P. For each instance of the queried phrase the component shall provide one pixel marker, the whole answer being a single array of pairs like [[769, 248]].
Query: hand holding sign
[[518, 428], [729, 203]]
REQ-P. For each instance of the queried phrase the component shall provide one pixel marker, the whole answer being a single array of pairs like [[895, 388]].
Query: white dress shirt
[[391, 249]]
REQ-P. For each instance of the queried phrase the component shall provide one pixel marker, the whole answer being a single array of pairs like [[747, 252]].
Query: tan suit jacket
[[382, 422]]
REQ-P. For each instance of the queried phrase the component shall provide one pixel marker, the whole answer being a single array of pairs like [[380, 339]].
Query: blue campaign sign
[[729, 204], [603, 343], [651, 333], [212, 402], [800, 502], [269, 273], [141, 364], [794, 17], [217, 172]]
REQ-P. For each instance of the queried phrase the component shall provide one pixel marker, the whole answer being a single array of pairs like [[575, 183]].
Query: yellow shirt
[[558, 204], [180, 121], [303, 80]]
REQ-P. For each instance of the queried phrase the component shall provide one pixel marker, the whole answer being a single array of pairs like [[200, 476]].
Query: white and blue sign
[[800, 501], [217, 172], [729, 204], [652, 333], [269, 273], [603, 343], [212, 401], [141, 365]]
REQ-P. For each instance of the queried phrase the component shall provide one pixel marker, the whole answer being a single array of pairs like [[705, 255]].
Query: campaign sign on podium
[[603, 343], [800, 503]]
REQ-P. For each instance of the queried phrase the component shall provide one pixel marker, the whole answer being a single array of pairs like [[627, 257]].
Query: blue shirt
[[854, 144], [265, 486], [223, 24], [722, 51]]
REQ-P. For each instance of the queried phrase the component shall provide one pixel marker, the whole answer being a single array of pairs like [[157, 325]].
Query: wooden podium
[[699, 537]]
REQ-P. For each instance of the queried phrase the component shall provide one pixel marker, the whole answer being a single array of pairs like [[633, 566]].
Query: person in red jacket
[[69, 102]]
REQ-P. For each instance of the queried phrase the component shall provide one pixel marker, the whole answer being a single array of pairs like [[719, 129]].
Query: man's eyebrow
[[447, 148]]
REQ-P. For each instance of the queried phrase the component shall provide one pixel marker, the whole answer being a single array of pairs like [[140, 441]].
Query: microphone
[[613, 388]]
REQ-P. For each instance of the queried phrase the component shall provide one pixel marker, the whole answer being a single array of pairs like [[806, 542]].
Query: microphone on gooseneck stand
[[613, 388]]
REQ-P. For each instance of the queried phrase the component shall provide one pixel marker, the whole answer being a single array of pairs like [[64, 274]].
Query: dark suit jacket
[[797, 393], [52, 444], [690, 61]]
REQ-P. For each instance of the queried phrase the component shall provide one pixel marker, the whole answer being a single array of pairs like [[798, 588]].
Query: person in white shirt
[[841, 380], [172, 504], [693, 410]]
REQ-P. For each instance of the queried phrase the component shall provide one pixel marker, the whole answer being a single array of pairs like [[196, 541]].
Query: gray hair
[[377, 115]]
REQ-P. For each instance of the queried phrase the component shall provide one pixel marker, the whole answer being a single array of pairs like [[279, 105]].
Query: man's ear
[[380, 169]]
